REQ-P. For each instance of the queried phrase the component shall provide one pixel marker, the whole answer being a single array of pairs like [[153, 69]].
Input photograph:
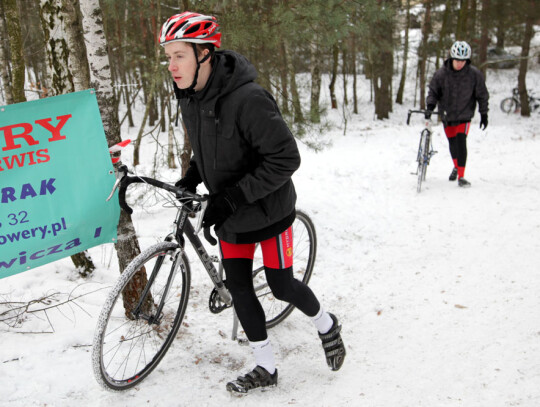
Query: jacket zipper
[[201, 170]]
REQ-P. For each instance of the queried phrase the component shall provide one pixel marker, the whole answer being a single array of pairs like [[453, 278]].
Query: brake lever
[[115, 187], [122, 172], [198, 228]]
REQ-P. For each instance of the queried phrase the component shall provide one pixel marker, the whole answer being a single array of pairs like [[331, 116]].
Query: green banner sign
[[55, 175]]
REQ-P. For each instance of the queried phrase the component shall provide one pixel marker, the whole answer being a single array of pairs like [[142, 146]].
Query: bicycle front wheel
[[509, 105], [141, 316], [423, 150], [304, 253], [427, 152]]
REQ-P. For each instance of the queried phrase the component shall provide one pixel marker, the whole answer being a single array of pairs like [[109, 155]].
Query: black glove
[[429, 111], [191, 179], [222, 205], [483, 121]]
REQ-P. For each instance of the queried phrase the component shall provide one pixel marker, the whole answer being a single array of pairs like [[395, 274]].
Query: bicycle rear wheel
[[141, 316], [509, 105], [304, 253]]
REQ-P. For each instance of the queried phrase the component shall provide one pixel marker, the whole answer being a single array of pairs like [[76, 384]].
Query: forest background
[[52, 47]]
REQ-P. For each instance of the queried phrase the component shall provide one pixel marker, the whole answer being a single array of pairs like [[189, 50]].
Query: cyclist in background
[[245, 155], [457, 87]]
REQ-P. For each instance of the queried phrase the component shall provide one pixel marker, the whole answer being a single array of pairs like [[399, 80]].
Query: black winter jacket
[[239, 138], [457, 92]]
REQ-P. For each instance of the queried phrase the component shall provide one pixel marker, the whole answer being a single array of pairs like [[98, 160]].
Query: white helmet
[[460, 50]]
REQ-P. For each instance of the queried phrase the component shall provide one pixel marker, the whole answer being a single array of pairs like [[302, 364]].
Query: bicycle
[[513, 104], [425, 148], [145, 308]]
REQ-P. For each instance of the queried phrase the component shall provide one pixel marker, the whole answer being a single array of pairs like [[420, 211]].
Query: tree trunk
[[422, 54], [100, 69], [84, 264], [138, 140], [62, 28], [52, 19], [484, 37], [5, 63], [13, 25], [344, 73], [525, 47], [34, 47], [461, 31], [471, 23], [501, 13], [127, 246], [170, 147], [77, 61], [315, 67], [441, 50], [399, 95], [185, 154], [382, 84], [297, 107], [332, 86], [284, 81], [354, 75]]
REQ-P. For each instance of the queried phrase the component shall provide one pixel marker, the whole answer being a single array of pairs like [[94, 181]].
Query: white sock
[[264, 355], [322, 321]]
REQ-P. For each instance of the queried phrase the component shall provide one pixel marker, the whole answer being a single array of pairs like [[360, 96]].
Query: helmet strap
[[191, 89]]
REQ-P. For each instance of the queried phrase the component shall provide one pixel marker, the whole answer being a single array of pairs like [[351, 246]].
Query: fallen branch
[[17, 312]]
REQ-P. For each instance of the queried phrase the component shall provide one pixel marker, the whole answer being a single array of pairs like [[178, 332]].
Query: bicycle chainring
[[215, 303]]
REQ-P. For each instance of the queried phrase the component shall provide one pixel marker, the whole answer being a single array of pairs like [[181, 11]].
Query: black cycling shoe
[[463, 183], [332, 343], [453, 175], [258, 377]]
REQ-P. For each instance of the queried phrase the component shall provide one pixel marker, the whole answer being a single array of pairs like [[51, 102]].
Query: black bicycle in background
[[513, 104], [145, 308], [425, 147]]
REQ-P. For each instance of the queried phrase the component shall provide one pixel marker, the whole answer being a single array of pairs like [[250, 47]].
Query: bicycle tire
[[304, 254], [126, 348], [427, 154], [421, 158], [509, 105]]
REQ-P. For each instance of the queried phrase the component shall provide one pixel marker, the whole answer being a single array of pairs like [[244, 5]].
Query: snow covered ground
[[438, 292]]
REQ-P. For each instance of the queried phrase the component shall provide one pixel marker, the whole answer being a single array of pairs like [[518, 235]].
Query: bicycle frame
[[185, 227], [425, 147]]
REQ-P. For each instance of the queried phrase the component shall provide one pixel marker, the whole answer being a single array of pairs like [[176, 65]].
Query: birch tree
[[52, 19], [423, 54], [5, 70], [60, 31], [13, 24], [127, 246], [77, 61], [529, 11]]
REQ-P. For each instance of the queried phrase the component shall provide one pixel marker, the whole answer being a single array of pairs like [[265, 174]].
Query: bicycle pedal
[[242, 341]]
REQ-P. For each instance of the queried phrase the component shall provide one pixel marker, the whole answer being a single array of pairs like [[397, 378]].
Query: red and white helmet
[[191, 27]]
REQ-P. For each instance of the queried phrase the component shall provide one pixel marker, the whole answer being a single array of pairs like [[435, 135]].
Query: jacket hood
[[230, 70]]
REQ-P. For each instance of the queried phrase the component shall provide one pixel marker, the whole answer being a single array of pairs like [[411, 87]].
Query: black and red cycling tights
[[457, 140], [277, 258]]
